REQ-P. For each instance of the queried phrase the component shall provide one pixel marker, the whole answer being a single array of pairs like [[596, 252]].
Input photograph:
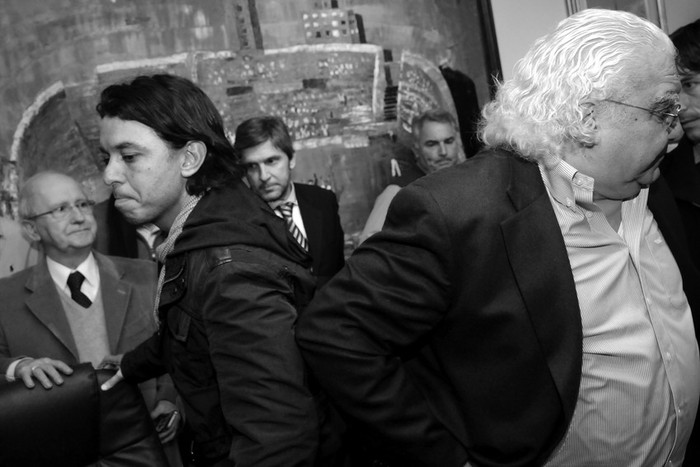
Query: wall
[[681, 12], [516, 32]]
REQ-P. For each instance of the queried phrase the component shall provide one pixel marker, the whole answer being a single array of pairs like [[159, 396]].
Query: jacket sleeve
[[143, 362], [249, 317], [165, 389], [362, 327]]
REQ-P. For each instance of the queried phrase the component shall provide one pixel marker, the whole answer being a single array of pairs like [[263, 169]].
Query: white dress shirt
[[640, 379], [88, 268]]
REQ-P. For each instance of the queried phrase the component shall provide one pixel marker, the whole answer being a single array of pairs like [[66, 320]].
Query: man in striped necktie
[[264, 146]]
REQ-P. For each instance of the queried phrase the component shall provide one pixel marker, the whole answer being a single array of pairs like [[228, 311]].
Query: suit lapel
[[45, 304], [115, 298], [310, 214], [541, 267]]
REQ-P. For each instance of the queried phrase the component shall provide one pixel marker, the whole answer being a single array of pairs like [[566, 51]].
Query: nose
[[684, 101], [77, 215], [111, 173], [264, 173], [443, 150]]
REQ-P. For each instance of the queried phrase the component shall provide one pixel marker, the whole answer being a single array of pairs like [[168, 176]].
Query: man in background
[[75, 305], [681, 167], [532, 305], [265, 149], [435, 146]]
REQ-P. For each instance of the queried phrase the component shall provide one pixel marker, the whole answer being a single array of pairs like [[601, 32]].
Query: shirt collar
[[291, 198], [88, 268], [149, 232], [567, 185]]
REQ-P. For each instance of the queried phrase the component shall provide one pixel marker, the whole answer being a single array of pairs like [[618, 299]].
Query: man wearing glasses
[[532, 305], [75, 305]]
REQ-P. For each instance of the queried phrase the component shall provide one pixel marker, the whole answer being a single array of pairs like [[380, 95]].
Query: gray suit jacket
[[33, 324]]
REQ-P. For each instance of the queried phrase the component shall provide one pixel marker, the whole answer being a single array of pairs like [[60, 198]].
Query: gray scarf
[[164, 249]]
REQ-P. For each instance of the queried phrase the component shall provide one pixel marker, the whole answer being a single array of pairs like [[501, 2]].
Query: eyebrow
[[436, 140], [665, 102], [124, 145]]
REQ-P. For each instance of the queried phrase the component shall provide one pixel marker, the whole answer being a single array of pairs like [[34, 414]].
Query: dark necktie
[[75, 280], [286, 210]]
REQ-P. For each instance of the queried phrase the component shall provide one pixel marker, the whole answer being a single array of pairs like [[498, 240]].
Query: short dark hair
[[179, 112], [432, 115], [687, 41], [259, 130]]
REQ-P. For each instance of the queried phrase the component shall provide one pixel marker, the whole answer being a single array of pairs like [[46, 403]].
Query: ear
[[589, 114], [195, 152], [590, 122], [29, 232], [292, 162]]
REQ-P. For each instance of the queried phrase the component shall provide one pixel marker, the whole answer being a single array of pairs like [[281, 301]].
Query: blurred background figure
[[464, 95], [681, 167], [435, 146]]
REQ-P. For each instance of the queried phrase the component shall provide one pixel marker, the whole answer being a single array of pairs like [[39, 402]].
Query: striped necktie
[[286, 210]]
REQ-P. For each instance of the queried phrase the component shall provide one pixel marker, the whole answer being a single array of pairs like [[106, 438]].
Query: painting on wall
[[653, 10], [346, 76]]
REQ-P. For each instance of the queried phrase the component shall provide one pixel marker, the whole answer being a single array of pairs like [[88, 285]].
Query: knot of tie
[[286, 210], [75, 281]]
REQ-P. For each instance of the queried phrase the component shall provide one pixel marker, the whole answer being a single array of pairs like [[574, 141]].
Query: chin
[[270, 197], [133, 218]]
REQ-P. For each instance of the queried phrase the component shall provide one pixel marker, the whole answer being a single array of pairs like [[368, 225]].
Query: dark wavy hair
[[687, 41], [259, 130], [179, 112]]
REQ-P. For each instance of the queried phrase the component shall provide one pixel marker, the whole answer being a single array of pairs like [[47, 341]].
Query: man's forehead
[[686, 75], [262, 152], [435, 130], [116, 132], [55, 190]]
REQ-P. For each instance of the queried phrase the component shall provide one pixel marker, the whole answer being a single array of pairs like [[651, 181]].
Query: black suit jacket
[[683, 176], [455, 333], [319, 211]]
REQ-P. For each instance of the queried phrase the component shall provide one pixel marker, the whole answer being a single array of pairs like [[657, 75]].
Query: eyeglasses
[[669, 119], [65, 209]]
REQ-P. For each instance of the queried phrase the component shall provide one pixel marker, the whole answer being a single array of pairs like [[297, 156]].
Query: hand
[[111, 382], [166, 411], [110, 362], [46, 370]]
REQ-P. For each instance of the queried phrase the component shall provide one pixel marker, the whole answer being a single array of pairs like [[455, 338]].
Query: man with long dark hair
[[230, 284]]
